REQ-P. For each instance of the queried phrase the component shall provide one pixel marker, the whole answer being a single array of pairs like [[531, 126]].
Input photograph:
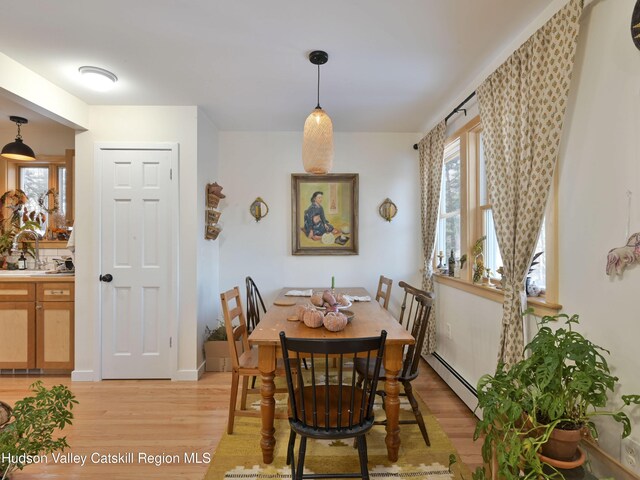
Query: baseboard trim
[[201, 369], [461, 387], [187, 375], [84, 376]]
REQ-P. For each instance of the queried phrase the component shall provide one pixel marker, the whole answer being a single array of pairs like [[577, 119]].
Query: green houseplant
[[32, 424], [562, 383], [216, 349]]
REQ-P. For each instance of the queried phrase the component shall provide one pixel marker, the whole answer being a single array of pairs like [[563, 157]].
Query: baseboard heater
[[455, 373]]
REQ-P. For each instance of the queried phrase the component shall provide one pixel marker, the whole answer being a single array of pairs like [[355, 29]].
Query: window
[[466, 215], [449, 222], [38, 177]]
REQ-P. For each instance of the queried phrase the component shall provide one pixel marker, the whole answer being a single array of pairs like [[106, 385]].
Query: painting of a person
[[315, 223]]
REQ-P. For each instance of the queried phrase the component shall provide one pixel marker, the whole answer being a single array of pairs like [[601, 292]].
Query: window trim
[[472, 225], [12, 179]]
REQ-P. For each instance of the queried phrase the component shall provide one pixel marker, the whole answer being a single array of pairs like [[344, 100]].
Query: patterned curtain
[[431, 151], [522, 106]]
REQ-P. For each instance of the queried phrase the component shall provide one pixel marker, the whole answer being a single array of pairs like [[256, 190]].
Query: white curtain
[[431, 151], [522, 107]]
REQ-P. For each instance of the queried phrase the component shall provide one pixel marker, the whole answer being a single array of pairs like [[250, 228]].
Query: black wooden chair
[[415, 320], [328, 404], [254, 302]]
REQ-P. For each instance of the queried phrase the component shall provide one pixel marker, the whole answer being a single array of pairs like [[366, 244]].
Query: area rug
[[238, 456]]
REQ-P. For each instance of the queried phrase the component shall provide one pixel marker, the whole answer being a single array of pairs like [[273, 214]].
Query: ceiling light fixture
[[98, 78], [317, 141], [18, 150]]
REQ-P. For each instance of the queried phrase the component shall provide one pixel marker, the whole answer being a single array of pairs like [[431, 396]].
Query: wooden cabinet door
[[17, 335], [54, 335]]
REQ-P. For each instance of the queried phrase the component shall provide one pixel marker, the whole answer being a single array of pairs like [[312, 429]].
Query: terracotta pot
[[562, 444]]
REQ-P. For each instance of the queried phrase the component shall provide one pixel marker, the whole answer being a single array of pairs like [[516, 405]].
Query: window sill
[[540, 306]]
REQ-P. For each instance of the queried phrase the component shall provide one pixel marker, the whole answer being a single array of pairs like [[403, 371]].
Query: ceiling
[[392, 64]]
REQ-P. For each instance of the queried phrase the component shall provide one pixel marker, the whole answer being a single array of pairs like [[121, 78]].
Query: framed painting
[[324, 214]]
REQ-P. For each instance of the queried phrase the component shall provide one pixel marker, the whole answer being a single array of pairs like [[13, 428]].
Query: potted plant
[[561, 384], [31, 426], [216, 349]]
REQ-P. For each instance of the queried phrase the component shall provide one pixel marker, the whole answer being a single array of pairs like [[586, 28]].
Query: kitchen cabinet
[[36, 325]]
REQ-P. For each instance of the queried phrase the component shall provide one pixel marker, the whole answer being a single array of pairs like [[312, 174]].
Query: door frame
[[174, 192]]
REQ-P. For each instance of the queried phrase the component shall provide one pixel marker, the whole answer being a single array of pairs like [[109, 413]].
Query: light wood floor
[[163, 417]]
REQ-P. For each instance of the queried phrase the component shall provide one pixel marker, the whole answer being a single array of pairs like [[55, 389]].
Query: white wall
[[29, 89], [258, 164], [135, 124], [598, 164], [208, 250]]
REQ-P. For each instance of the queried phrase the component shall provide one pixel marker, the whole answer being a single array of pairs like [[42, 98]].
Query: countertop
[[21, 276]]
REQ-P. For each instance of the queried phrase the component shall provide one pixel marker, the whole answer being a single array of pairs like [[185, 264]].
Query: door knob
[[106, 278]]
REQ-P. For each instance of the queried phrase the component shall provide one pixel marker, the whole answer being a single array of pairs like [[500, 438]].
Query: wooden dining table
[[369, 320]]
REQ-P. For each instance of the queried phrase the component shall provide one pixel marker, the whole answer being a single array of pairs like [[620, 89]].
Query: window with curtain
[[448, 237], [466, 215]]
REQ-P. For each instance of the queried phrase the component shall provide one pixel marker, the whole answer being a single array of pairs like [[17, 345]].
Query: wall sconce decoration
[[258, 209], [635, 25], [388, 210], [18, 150], [211, 217]]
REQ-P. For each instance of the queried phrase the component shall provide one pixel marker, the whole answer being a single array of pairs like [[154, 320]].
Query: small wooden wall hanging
[[213, 196]]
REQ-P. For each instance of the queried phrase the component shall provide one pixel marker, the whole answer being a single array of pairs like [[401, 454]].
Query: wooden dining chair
[[327, 404], [416, 323], [254, 302], [245, 362], [384, 291]]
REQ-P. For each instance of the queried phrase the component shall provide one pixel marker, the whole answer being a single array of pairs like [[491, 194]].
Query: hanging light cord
[[318, 105], [18, 136]]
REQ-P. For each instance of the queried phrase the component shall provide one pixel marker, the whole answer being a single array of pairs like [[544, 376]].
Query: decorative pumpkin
[[335, 322], [301, 310], [312, 318], [316, 299]]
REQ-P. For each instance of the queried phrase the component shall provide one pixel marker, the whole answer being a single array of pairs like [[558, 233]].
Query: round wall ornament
[[635, 25]]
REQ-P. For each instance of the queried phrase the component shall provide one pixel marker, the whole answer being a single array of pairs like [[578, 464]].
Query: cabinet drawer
[[17, 292], [55, 292]]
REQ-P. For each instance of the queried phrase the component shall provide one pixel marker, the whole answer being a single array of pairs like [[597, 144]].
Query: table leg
[[267, 367], [392, 365]]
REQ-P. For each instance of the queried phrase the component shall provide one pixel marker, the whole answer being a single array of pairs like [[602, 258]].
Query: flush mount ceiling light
[[97, 78], [17, 150], [317, 141]]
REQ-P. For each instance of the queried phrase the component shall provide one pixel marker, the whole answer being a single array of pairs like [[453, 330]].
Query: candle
[[333, 282]]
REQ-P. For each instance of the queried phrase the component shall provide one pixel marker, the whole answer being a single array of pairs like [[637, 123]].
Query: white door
[[137, 260]]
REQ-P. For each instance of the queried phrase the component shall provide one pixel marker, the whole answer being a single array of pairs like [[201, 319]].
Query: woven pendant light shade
[[317, 143]]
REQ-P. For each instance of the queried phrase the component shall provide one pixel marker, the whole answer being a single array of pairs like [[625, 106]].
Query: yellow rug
[[238, 456]]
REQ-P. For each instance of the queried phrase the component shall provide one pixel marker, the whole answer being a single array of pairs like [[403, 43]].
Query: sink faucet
[[37, 247]]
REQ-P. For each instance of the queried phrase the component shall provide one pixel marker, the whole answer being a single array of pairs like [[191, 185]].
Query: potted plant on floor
[[216, 349], [31, 426], [556, 390]]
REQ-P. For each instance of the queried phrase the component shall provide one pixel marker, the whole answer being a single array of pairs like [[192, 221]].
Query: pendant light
[[17, 150], [317, 142]]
